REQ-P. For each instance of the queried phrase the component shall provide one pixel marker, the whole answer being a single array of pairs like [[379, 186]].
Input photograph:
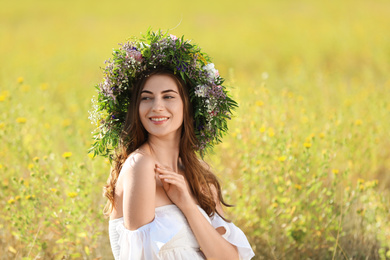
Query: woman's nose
[[158, 104]]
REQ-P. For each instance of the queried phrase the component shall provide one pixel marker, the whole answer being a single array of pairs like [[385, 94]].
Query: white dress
[[169, 237]]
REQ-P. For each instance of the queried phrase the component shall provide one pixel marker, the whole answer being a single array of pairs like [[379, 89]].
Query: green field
[[307, 158]]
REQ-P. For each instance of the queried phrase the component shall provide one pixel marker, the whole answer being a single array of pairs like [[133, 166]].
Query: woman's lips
[[159, 120]]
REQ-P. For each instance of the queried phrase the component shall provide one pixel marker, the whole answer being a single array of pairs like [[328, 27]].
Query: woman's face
[[161, 106]]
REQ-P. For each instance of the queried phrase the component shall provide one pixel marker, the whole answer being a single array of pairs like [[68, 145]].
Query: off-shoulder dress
[[169, 237]]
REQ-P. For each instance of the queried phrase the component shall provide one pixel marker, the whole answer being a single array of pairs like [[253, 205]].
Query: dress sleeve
[[234, 236], [146, 241]]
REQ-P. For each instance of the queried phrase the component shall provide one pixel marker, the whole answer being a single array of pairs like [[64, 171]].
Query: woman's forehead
[[160, 83]]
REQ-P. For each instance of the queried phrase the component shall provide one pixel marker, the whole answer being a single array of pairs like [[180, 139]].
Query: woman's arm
[[139, 191], [210, 240]]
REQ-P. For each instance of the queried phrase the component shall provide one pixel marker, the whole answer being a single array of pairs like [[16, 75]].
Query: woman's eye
[[145, 98], [168, 97]]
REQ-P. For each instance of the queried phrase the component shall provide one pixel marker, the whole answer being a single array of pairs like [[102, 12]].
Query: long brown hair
[[134, 135]]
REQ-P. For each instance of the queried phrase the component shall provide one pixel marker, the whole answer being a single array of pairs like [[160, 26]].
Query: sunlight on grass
[[306, 161]]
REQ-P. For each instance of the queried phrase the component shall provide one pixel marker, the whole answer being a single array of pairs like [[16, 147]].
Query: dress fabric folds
[[169, 237]]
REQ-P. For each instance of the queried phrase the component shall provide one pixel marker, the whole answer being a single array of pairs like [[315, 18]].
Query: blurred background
[[306, 161]]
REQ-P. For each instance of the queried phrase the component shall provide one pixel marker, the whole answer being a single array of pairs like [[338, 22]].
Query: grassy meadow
[[307, 158]]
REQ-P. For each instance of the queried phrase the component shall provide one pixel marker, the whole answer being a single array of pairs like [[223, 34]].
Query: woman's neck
[[165, 151]]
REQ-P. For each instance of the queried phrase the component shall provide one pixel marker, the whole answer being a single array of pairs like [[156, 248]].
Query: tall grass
[[306, 161]]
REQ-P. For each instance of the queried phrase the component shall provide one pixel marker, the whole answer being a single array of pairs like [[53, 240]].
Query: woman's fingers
[[165, 173], [174, 179]]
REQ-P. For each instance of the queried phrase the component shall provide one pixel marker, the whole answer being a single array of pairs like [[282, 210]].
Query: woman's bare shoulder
[[138, 162]]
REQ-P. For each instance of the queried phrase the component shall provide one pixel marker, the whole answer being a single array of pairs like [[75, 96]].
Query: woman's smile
[[159, 120]]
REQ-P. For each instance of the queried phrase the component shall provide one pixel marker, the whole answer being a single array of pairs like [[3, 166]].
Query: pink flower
[[173, 37], [135, 55]]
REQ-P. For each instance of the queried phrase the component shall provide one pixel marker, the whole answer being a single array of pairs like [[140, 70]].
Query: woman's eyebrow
[[163, 92], [168, 90]]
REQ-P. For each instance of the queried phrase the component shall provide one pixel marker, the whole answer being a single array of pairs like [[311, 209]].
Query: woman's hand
[[175, 185]]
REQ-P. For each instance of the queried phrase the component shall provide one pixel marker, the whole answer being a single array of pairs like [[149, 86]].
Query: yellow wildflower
[[372, 184], [2, 98], [335, 171], [2, 125], [30, 166], [271, 132], [28, 197], [66, 155], [307, 145], [53, 190], [91, 155], [282, 158], [304, 119], [20, 80], [200, 56], [298, 187], [358, 122], [275, 205], [1, 166], [361, 187], [360, 181], [321, 135], [259, 103], [66, 122], [21, 120], [17, 198], [11, 201], [36, 159], [47, 125], [72, 194], [43, 86], [262, 129], [5, 93]]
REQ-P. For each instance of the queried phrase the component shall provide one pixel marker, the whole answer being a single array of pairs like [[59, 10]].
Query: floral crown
[[211, 103]]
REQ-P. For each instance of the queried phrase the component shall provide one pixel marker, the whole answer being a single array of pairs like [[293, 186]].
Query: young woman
[[164, 203]]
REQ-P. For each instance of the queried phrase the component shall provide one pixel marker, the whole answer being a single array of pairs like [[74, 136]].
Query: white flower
[[213, 73], [200, 91]]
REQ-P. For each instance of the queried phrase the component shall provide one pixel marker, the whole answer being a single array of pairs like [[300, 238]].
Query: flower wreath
[[211, 103]]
